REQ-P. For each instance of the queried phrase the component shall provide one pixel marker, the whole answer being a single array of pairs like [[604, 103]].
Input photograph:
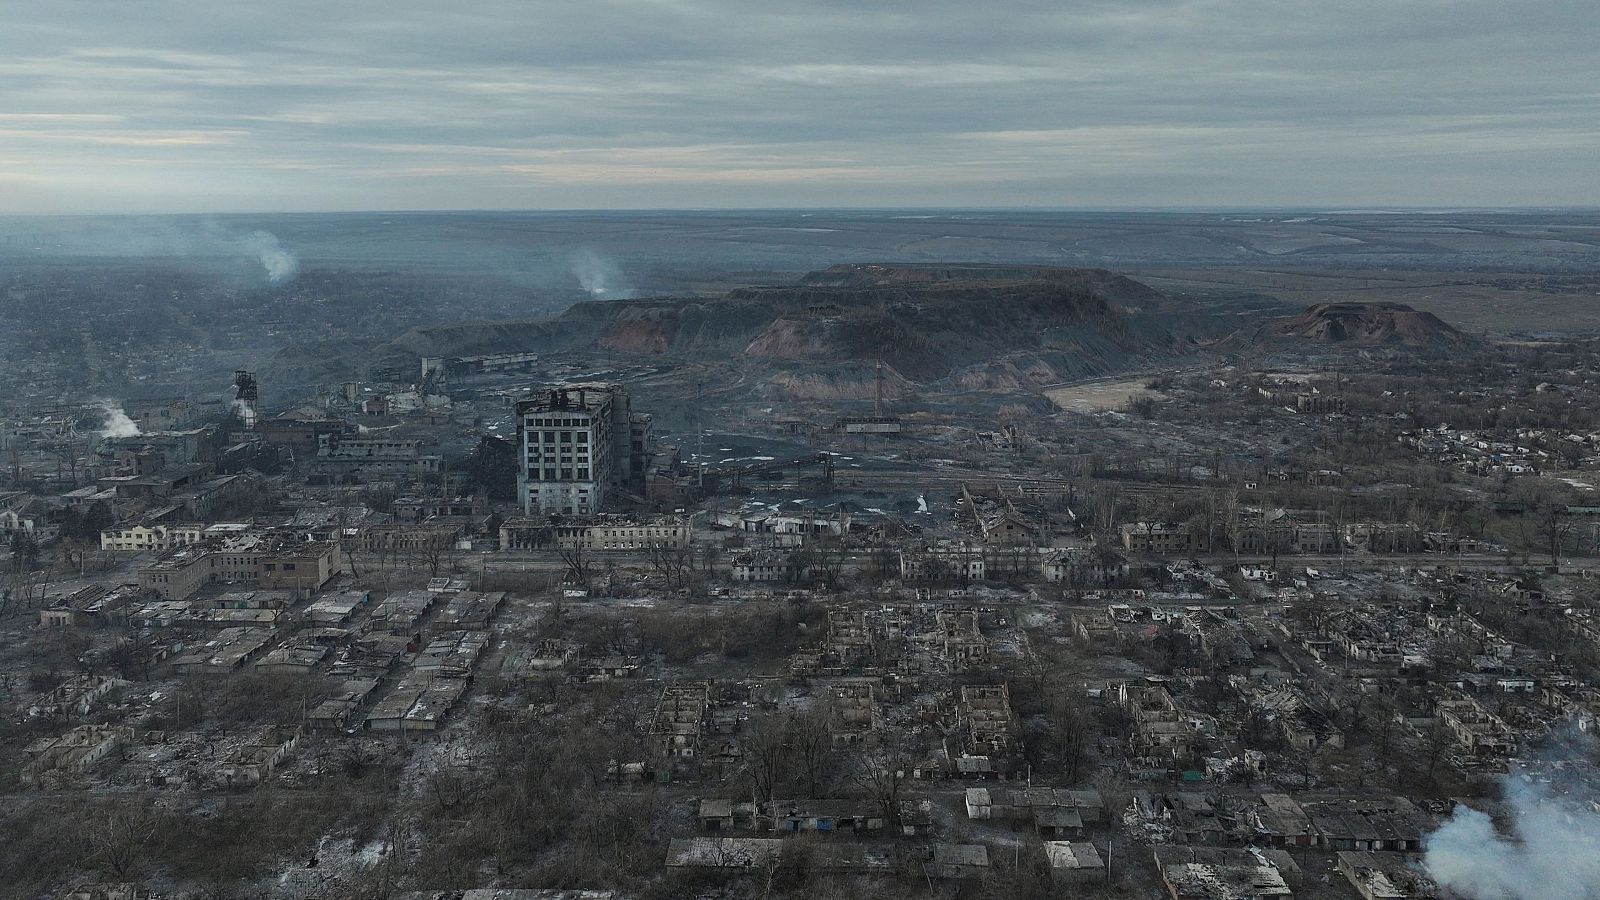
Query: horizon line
[[1322, 209]]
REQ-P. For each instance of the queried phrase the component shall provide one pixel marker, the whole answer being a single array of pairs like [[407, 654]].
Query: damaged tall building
[[579, 448]]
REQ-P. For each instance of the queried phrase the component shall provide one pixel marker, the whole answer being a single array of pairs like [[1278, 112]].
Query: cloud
[[1453, 101]]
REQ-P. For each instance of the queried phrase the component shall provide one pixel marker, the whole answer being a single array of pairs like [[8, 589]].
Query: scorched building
[[577, 445]]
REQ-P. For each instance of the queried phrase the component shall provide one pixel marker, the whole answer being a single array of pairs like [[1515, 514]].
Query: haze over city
[[661, 449]]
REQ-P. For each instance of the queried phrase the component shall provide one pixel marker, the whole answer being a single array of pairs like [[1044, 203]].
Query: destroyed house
[[1163, 539], [78, 694], [418, 509], [1195, 873], [769, 567], [365, 458], [1159, 725], [1281, 820], [852, 710], [960, 638], [1386, 876], [1010, 528], [943, 563], [409, 538], [75, 752], [1366, 823], [260, 756], [723, 853], [680, 719], [1083, 566], [986, 721], [1476, 730]]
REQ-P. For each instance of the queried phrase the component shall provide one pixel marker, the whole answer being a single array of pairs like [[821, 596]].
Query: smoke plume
[[117, 423], [279, 264], [1551, 853], [599, 276], [242, 410], [196, 241]]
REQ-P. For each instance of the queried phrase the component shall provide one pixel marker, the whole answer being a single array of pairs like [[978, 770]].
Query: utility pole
[[699, 436], [877, 405]]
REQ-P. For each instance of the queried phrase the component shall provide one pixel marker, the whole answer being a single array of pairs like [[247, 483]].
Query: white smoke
[[117, 424], [599, 276], [279, 264], [245, 412], [161, 237], [1551, 853]]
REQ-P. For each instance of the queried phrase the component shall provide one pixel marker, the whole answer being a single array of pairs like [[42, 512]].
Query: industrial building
[[578, 446]]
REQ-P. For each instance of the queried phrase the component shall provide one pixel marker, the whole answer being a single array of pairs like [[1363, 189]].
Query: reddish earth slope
[[1371, 324]]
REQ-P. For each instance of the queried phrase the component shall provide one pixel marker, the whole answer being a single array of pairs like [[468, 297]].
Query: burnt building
[[578, 446]]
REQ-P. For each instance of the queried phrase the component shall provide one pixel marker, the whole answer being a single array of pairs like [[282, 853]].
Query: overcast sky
[[178, 105]]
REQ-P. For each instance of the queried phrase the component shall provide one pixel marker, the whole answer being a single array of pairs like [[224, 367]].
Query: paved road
[[1495, 562], [549, 561]]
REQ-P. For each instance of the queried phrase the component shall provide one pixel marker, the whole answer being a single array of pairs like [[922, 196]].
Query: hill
[[968, 326], [1370, 324]]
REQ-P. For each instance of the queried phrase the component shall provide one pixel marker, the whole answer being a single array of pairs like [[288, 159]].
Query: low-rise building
[[268, 561], [1083, 566], [75, 752], [770, 566], [1214, 873], [1386, 876], [419, 509], [1164, 539], [140, 536], [179, 574], [603, 533], [402, 537], [367, 458], [943, 563], [1476, 730], [1074, 862], [680, 719]]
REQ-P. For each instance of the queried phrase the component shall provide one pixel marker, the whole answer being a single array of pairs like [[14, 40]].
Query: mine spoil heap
[[1371, 324]]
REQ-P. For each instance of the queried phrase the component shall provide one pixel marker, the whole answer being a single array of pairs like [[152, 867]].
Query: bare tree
[[828, 561], [1553, 527], [119, 836], [576, 559], [1115, 795], [448, 788], [1436, 741], [881, 770], [765, 747], [434, 555], [674, 563], [1071, 728], [812, 743]]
